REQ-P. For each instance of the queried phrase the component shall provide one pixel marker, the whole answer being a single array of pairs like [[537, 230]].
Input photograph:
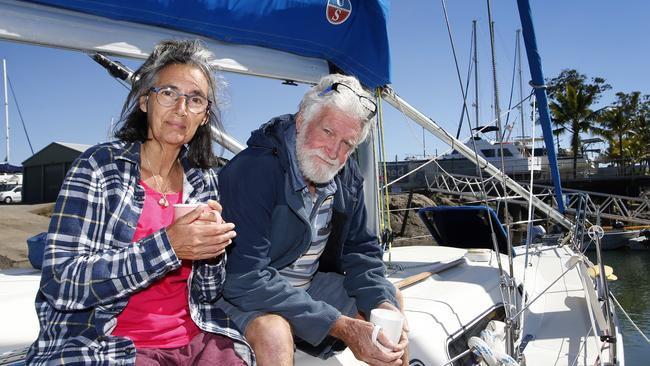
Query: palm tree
[[571, 98], [639, 146], [617, 126], [570, 110], [638, 138]]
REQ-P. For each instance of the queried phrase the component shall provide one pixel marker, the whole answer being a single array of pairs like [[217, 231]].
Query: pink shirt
[[158, 316]]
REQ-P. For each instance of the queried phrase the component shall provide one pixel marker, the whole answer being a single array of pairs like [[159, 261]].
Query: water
[[632, 290]]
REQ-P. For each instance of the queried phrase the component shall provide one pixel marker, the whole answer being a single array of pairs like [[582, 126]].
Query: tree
[[617, 126], [639, 137], [572, 96]]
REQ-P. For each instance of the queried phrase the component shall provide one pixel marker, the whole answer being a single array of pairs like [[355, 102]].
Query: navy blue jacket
[[273, 230]]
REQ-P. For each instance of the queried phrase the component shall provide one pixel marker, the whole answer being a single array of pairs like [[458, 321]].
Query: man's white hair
[[315, 100]]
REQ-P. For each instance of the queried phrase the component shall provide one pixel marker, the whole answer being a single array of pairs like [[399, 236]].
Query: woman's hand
[[201, 234], [211, 213]]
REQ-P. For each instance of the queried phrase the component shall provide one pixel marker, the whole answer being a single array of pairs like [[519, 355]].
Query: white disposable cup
[[182, 209], [390, 321]]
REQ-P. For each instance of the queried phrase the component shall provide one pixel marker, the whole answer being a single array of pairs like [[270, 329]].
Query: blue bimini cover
[[351, 34]]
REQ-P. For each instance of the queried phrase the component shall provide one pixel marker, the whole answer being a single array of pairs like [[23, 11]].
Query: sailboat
[[471, 300], [10, 175]]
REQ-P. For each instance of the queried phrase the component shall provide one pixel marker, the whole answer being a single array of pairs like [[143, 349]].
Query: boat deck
[[442, 309], [558, 322]]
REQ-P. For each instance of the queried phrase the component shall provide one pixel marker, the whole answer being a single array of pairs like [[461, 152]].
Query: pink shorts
[[204, 349]]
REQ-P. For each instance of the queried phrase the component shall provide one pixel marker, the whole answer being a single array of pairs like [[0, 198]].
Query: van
[[12, 195]]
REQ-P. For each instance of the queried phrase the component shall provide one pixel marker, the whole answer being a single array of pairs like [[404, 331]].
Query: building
[[44, 171]]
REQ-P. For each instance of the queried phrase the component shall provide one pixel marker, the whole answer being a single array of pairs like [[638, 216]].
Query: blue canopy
[[350, 34]]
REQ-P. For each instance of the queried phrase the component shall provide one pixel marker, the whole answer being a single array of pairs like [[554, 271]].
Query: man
[[304, 267]]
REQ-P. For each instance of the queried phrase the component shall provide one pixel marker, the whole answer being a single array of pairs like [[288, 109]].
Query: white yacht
[[472, 301], [507, 156]]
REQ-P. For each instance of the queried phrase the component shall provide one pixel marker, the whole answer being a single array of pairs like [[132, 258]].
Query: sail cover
[[350, 34]]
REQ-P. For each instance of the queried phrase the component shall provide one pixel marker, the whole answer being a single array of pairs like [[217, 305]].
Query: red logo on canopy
[[338, 11]]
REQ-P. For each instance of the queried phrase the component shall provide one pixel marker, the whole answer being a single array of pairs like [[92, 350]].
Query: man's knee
[[269, 330]]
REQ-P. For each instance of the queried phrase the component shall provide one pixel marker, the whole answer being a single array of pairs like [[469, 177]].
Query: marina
[[480, 296]]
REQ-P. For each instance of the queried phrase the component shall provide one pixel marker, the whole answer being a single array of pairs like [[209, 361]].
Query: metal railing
[[631, 210]]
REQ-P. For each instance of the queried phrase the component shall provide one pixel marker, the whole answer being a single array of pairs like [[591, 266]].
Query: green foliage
[[625, 124], [617, 125], [572, 96]]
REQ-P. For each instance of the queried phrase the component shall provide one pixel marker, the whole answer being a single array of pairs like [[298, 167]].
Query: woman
[[122, 281]]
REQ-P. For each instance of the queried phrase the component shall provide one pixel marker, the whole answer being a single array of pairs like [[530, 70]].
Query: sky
[[65, 96]]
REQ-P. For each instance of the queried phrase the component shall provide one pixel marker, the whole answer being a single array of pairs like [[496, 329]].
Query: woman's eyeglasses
[[168, 96]]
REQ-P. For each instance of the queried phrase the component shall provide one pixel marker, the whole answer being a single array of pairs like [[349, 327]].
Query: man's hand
[[388, 306], [201, 234], [403, 340], [357, 334]]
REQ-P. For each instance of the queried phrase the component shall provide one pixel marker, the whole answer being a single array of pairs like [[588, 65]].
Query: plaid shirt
[[91, 266]]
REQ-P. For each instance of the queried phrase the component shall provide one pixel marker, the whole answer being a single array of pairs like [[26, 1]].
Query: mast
[[521, 95], [475, 72], [497, 109], [4, 73]]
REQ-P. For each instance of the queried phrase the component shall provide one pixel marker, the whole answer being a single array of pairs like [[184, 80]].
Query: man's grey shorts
[[326, 287]]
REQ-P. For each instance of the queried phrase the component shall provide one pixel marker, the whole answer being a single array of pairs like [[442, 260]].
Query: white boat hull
[[440, 310]]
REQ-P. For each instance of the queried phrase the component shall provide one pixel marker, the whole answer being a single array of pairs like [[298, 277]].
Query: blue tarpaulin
[[350, 34], [8, 168]]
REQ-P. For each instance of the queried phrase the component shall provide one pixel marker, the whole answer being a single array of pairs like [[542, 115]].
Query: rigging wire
[[126, 85], [464, 110], [512, 85], [476, 73], [453, 50], [521, 108], [507, 282], [433, 159], [529, 226], [20, 114], [530, 193], [629, 319], [479, 170], [583, 276]]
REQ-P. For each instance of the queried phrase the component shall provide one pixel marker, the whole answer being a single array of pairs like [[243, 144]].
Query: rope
[[380, 203], [413, 237], [385, 210]]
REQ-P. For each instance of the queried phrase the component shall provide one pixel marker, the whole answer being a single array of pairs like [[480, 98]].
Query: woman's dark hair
[[133, 121]]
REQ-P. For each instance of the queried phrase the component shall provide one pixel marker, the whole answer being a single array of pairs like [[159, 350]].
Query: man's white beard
[[311, 168]]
